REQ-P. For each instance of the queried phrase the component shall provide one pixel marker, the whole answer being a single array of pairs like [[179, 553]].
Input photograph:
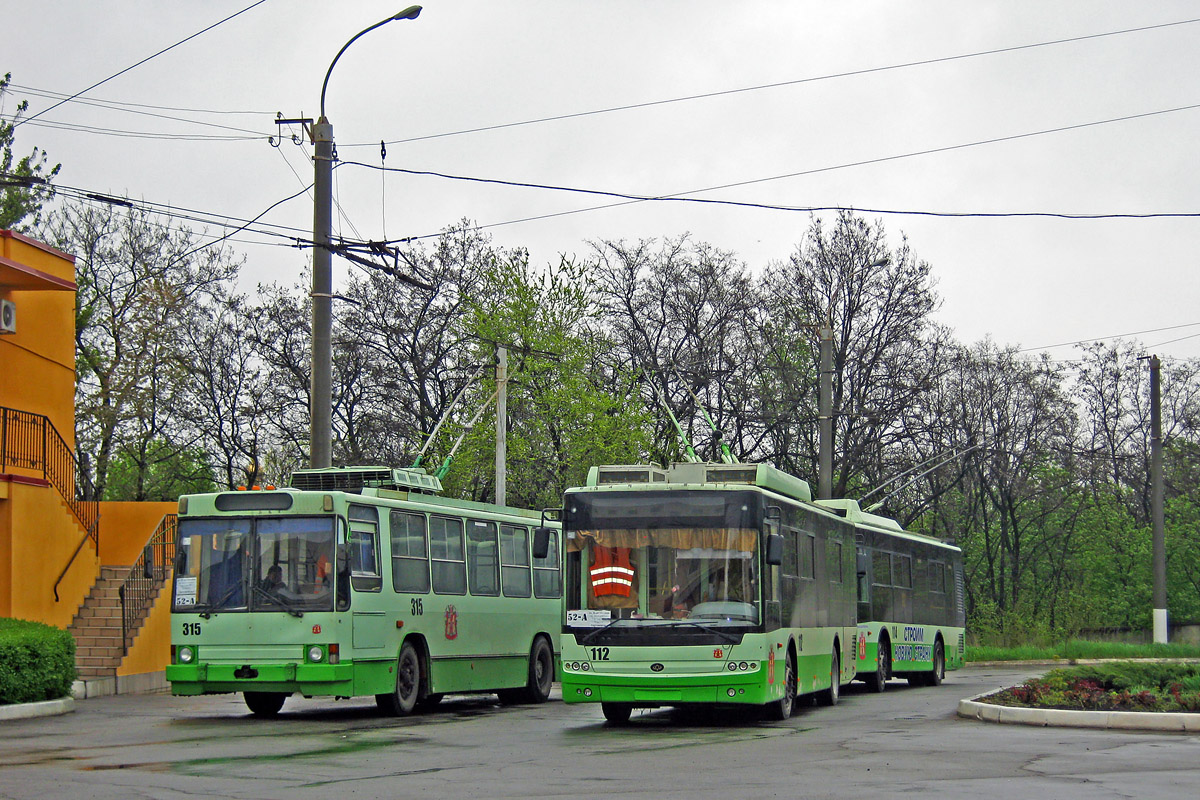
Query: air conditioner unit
[[8, 316]]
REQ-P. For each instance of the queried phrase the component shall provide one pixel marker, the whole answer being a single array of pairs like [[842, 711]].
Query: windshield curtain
[[687, 555], [282, 564]]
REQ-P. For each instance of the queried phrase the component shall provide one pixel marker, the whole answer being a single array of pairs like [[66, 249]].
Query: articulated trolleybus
[[361, 581], [703, 584], [911, 616]]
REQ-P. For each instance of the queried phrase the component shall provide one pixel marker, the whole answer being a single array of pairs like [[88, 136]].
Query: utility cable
[[138, 64], [760, 87]]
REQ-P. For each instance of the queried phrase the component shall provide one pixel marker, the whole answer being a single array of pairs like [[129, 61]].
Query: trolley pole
[[501, 424], [1156, 505], [825, 416]]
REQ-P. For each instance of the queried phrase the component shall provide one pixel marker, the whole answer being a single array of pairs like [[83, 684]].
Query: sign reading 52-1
[[191, 629]]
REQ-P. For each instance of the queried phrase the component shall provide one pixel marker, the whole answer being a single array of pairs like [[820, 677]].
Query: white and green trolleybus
[[704, 584], [357, 582], [911, 615]]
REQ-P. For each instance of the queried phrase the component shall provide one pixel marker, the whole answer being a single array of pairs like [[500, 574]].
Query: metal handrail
[[146, 575], [30, 441]]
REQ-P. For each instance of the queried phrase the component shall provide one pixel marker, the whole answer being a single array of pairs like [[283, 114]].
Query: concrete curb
[[48, 708], [1078, 662], [1057, 717]]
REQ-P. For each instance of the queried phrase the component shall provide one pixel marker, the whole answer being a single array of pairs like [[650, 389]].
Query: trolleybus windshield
[[280, 564], [676, 563]]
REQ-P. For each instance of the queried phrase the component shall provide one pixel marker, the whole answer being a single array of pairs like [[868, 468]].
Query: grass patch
[[1079, 649], [1119, 686]]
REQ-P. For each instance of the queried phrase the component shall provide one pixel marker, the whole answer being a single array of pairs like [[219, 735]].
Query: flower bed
[[1118, 686]]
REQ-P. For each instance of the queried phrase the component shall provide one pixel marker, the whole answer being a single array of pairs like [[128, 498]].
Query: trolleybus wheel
[[617, 713], [939, 664], [781, 709], [877, 681], [830, 696], [403, 699], [264, 704], [540, 677]]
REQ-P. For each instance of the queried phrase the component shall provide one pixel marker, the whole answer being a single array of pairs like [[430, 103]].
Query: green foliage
[[160, 471], [21, 198], [37, 662], [564, 415]]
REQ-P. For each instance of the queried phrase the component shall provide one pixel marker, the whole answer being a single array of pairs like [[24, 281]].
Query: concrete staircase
[[97, 628]]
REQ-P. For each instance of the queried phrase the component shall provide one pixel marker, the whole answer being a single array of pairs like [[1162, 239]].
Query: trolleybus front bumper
[[307, 679]]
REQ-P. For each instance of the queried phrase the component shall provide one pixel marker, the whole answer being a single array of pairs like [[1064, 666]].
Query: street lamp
[[321, 395]]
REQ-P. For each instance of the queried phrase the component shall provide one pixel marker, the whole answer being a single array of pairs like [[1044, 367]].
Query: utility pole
[[320, 409], [501, 424], [321, 389], [825, 415], [1156, 505]]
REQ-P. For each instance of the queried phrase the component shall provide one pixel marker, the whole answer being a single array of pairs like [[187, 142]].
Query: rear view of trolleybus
[[360, 582], [704, 584]]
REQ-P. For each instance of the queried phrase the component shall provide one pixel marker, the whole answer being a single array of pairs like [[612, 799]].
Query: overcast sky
[[468, 64]]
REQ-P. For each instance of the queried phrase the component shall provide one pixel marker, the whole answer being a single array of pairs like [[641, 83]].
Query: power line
[[98, 101], [138, 64], [111, 107], [181, 137], [1116, 336], [798, 81], [628, 198]]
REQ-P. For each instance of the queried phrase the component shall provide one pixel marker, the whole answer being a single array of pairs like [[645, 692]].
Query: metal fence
[[30, 441], [147, 574]]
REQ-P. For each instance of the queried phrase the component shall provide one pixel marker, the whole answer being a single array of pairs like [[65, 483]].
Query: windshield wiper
[[593, 634], [279, 601], [729, 637]]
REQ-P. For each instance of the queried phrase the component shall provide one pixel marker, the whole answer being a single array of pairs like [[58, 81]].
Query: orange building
[[61, 558]]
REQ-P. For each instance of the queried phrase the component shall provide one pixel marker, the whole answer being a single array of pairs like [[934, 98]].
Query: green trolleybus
[[911, 616], [356, 582], [704, 584]]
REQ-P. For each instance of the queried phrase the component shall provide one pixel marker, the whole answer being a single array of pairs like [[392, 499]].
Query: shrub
[[1120, 686], [37, 662]]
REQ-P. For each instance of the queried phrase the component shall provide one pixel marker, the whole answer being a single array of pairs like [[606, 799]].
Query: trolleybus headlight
[[743, 666], [186, 655], [732, 666], [585, 666], [732, 692], [315, 654]]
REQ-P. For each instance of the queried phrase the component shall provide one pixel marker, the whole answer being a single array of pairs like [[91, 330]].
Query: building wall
[[125, 527], [39, 534], [37, 363]]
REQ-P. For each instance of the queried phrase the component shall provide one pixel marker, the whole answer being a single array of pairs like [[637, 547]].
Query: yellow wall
[[125, 527], [151, 650], [37, 363], [39, 535]]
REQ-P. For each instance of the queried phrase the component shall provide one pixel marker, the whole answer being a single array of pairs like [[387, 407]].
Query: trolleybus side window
[[835, 562], [410, 553], [514, 561], [449, 566], [546, 576], [364, 549], [808, 556], [903, 568], [482, 561]]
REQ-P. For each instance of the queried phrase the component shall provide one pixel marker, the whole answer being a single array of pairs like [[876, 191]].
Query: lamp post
[[321, 394]]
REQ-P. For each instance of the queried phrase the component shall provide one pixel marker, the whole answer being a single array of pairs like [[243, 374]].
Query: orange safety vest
[[611, 571]]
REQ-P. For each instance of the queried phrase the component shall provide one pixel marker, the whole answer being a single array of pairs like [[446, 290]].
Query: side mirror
[[148, 561], [863, 562], [774, 554], [541, 541]]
